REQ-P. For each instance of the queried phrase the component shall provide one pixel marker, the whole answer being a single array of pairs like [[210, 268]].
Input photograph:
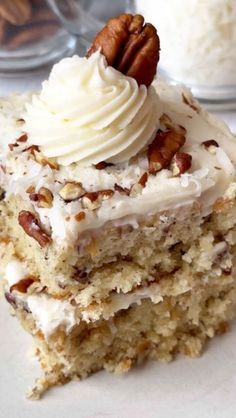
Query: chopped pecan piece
[[130, 46], [137, 188], [210, 145], [122, 190], [181, 163], [43, 198], [71, 191], [22, 138], [102, 165], [80, 216], [23, 285], [93, 200], [30, 225], [163, 148], [143, 179]]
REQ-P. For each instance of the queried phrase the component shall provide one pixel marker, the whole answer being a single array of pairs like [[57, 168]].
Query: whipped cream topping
[[89, 112]]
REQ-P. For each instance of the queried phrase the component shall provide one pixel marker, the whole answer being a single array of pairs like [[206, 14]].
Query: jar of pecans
[[31, 36]]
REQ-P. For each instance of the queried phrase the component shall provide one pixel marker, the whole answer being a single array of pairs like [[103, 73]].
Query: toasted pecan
[[30, 225], [163, 148], [129, 45]]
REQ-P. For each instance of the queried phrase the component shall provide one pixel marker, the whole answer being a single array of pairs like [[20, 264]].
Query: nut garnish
[[130, 46], [93, 200], [41, 159], [189, 101], [16, 12], [120, 189], [80, 216], [44, 197], [137, 188], [210, 145], [71, 191], [102, 165], [22, 138], [143, 179], [181, 163], [23, 285], [163, 148], [30, 225]]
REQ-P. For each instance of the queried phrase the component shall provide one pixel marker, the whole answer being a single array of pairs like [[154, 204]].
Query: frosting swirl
[[89, 112]]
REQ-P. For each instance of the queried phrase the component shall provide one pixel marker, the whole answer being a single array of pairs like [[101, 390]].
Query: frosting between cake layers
[[89, 112]]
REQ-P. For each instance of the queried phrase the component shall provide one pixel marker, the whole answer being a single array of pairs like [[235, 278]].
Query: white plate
[[202, 388]]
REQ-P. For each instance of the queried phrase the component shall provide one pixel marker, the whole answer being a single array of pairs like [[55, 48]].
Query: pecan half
[[181, 163], [163, 148], [129, 45], [17, 12], [30, 225]]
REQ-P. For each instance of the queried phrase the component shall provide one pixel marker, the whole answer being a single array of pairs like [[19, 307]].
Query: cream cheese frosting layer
[[89, 112], [208, 179]]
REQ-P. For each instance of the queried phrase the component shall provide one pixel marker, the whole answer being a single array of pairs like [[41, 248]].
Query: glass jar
[[30, 36], [198, 45], [35, 33]]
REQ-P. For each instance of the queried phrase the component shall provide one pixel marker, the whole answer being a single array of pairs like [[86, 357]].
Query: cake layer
[[157, 331], [161, 250]]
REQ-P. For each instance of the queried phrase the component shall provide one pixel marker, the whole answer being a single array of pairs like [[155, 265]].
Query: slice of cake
[[118, 212]]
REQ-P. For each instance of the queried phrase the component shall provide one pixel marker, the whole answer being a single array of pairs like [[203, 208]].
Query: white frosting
[[15, 271], [89, 112], [207, 180], [198, 38], [50, 313]]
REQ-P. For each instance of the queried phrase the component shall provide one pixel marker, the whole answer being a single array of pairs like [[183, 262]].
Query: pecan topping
[[102, 165], [44, 197], [23, 285], [129, 45], [80, 216], [163, 148], [71, 191], [93, 200], [120, 189], [210, 145], [22, 138], [143, 179], [181, 163], [30, 224], [137, 188]]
